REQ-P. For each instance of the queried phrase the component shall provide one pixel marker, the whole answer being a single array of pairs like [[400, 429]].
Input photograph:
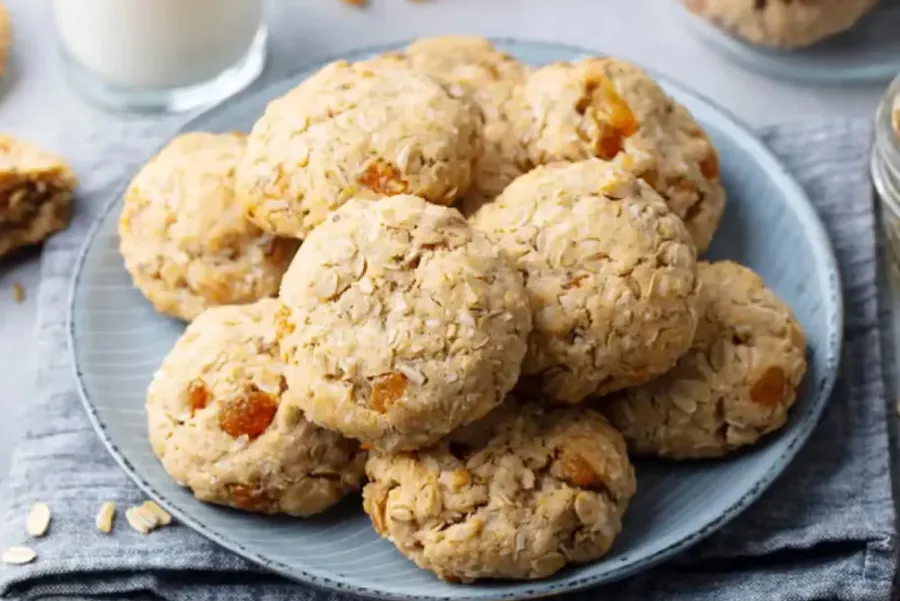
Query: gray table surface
[[36, 103]]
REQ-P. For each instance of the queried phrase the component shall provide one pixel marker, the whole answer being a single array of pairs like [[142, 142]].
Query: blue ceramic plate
[[118, 340], [869, 52]]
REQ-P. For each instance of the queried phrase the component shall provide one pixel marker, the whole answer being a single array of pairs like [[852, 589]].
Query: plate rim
[[538, 588]]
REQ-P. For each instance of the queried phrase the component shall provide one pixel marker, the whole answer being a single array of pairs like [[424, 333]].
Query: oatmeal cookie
[[781, 23], [735, 385], [355, 130], [600, 107], [610, 272], [35, 194], [218, 424], [474, 69], [404, 323], [184, 238], [517, 495]]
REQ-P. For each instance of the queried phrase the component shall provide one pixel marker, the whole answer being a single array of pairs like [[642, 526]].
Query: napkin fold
[[825, 530]]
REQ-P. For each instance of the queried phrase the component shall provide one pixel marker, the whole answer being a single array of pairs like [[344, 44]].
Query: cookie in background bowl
[[610, 273], [354, 130], [218, 423], [735, 385], [517, 495], [472, 68], [404, 323], [184, 238], [601, 107], [35, 194], [781, 23]]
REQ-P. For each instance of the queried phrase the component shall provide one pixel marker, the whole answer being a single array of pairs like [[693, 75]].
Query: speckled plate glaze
[[117, 340], [869, 52]]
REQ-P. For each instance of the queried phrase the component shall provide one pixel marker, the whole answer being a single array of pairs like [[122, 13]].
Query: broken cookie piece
[[35, 194]]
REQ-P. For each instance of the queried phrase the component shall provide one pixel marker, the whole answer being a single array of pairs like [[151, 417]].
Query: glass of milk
[[161, 55]]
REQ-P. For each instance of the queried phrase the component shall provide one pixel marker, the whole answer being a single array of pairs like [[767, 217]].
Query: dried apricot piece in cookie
[[603, 107], [363, 129], [218, 424], [184, 237], [610, 272], [35, 194], [516, 495], [404, 323], [472, 68], [735, 385]]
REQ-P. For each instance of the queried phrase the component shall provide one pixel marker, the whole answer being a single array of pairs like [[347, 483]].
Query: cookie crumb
[[38, 520], [105, 516], [18, 292], [18, 555]]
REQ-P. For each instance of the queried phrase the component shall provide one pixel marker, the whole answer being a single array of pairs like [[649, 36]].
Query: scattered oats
[[18, 555], [140, 519], [38, 520], [104, 520], [18, 292], [451, 377], [162, 516]]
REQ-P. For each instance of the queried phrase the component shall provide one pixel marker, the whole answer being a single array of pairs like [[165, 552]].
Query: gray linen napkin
[[826, 529]]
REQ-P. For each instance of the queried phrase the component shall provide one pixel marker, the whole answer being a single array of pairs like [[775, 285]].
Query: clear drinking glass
[[160, 55]]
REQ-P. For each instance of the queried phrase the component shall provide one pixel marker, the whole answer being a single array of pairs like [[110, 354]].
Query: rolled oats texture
[[35, 193], [517, 495], [601, 107], [183, 235], [472, 68], [735, 385], [403, 324], [218, 424], [610, 273], [355, 130]]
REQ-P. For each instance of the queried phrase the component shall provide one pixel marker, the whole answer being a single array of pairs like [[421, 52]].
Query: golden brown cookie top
[[516, 495], [610, 274], [219, 426], [601, 107], [356, 130], [735, 385], [404, 322], [184, 237]]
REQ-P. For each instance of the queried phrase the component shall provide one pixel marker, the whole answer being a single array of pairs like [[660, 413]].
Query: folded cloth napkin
[[825, 530]]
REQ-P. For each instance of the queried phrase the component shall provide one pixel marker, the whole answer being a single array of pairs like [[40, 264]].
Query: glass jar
[[160, 55], [885, 169]]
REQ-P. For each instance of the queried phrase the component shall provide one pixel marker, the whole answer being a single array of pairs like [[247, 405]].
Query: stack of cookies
[[488, 296]]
